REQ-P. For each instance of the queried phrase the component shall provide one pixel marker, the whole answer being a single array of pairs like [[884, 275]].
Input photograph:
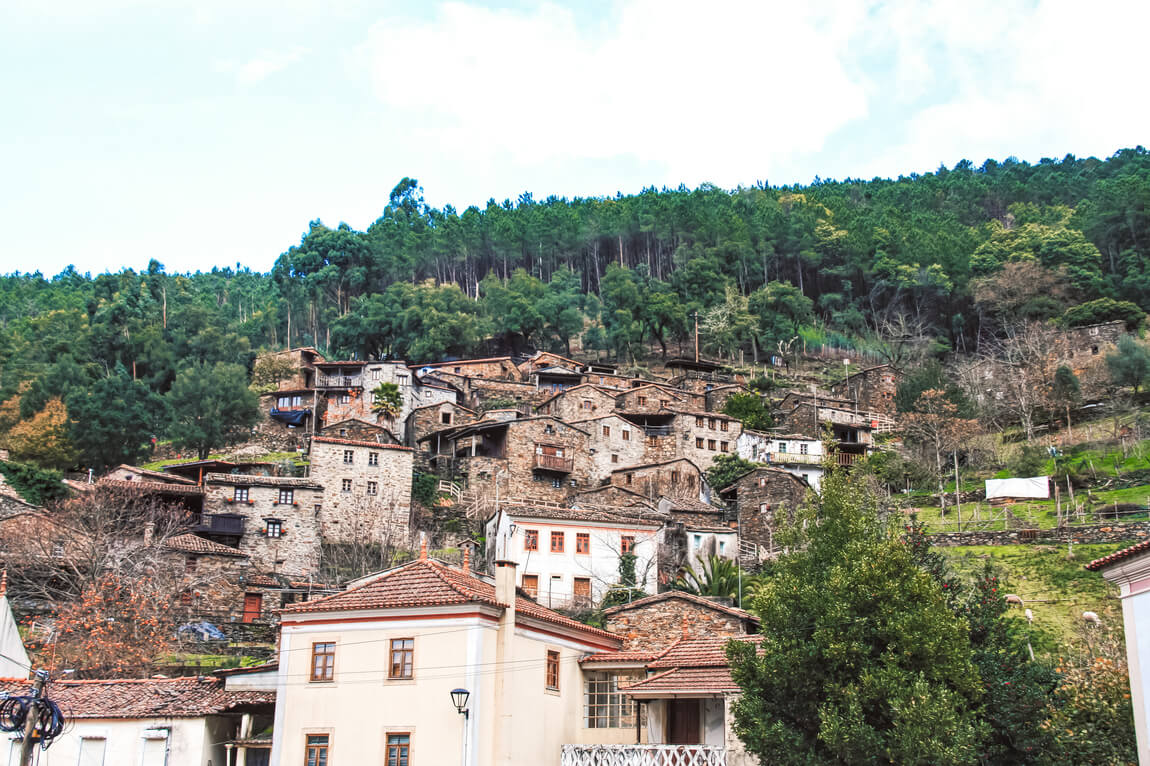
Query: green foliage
[[425, 488], [931, 376], [36, 485], [717, 577], [1030, 461], [625, 591], [750, 411], [114, 421], [863, 660], [725, 469], [1104, 310], [210, 406], [1065, 390], [1129, 364], [386, 400], [897, 472]]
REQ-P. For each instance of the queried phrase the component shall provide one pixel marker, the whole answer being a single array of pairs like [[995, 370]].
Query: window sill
[[552, 692]]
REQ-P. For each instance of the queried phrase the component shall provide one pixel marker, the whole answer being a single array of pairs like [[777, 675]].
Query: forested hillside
[[952, 256]]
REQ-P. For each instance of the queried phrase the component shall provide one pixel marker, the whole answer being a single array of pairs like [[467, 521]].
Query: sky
[[209, 133]]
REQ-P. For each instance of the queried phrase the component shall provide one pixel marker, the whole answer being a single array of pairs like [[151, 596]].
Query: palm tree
[[717, 577], [386, 400]]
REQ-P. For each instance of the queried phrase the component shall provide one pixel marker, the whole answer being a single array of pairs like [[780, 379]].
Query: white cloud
[[719, 93], [260, 67]]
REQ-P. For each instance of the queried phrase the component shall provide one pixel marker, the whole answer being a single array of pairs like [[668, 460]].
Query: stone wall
[[701, 437], [873, 389], [1132, 531], [498, 367], [658, 625], [426, 420], [276, 436], [480, 391], [677, 478], [778, 491], [579, 403], [612, 443], [717, 397], [654, 400], [367, 494], [359, 430]]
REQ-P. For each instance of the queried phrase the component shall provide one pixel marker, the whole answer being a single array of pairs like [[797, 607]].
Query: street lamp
[[459, 699]]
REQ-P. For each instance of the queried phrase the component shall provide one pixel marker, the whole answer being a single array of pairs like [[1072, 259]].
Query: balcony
[[220, 524], [848, 458], [339, 381], [643, 755], [656, 431], [793, 458], [554, 463]]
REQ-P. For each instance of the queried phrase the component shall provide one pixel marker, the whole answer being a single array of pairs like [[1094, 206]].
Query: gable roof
[[656, 465], [159, 487], [456, 405], [190, 543], [357, 443], [690, 598], [635, 515], [160, 475], [461, 362], [666, 389], [639, 496], [684, 503], [260, 481], [573, 389], [427, 582]]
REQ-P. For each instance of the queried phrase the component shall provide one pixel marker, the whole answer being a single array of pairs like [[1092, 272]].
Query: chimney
[[505, 584], [423, 546], [467, 557]]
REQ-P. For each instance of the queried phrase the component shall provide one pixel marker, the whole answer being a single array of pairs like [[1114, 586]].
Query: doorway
[[683, 723]]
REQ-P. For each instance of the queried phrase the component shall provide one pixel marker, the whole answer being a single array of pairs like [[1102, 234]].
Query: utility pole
[[695, 316], [32, 719]]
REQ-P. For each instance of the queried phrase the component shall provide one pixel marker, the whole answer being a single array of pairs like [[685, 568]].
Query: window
[[345, 485], [723, 425], [762, 481], [724, 446], [345, 398], [711, 444], [531, 539], [190, 564], [783, 447], [557, 484], [606, 430], [627, 544], [675, 478], [626, 435], [803, 448], [398, 749], [764, 507], [240, 495], [316, 752], [445, 418], [698, 442], [373, 458], [372, 488], [283, 402], [614, 458], [323, 661], [711, 423], [274, 527], [582, 542], [698, 422], [587, 404], [287, 496], [641, 400], [531, 585], [377, 374], [605, 707], [557, 542], [630, 478], [698, 541], [664, 402], [549, 429], [552, 670], [343, 432], [402, 658], [348, 456]]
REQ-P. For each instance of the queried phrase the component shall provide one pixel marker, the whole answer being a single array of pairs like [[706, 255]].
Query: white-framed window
[[345, 485], [274, 527], [372, 488], [604, 706], [373, 458], [348, 456], [287, 496]]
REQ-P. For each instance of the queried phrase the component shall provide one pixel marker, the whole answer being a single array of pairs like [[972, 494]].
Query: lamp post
[[459, 699]]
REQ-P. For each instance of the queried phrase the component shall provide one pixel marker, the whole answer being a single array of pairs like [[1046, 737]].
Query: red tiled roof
[[643, 516], [1114, 558], [708, 680], [145, 697], [427, 582], [684, 596], [167, 488], [247, 480], [707, 652], [355, 443], [190, 543], [262, 581]]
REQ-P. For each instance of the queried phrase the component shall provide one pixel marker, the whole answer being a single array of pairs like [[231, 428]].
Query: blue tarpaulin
[[290, 417]]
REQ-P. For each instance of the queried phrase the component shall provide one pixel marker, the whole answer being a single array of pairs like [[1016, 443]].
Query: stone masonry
[[367, 490], [655, 622], [759, 497]]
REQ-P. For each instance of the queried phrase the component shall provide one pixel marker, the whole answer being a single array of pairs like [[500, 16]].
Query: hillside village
[[526, 508]]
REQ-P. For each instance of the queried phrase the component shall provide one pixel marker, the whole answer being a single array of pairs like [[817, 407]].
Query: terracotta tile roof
[[697, 681], [462, 362], [623, 656], [190, 543], [1114, 558], [237, 479], [167, 488], [146, 697], [165, 477], [428, 582], [709, 652], [355, 443], [684, 596], [656, 465], [636, 515]]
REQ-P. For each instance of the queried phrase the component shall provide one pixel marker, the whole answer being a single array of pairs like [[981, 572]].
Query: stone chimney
[[423, 546], [467, 557], [4, 583]]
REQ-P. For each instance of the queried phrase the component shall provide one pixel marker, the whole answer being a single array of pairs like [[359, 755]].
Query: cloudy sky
[[209, 132]]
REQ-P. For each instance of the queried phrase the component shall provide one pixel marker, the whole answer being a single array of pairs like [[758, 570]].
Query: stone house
[[434, 417], [758, 497], [367, 489], [852, 432], [655, 399], [610, 495], [656, 622], [304, 359], [272, 519], [346, 390], [580, 402], [680, 477], [703, 435], [495, 368], [359, 430], [212, 578], [545, 359], [871, 389], [286, 418], [715, 398], [568, 558], [612, 442], [1092, 340], [482, 393]]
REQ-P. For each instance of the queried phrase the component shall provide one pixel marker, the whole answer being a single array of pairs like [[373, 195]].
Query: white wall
[[133, 742]]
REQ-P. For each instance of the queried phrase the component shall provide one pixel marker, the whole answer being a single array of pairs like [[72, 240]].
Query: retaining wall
[[1085, 533]]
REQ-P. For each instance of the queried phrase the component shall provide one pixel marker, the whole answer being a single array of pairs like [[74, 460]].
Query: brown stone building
[[870, 390], [612, 442], [672, 478], [359, 430], [851, 431], [758, 497], [497, 367], [701, 436], [653, 399], [367, 489], [653, 623], [436, 417], [580, 402]]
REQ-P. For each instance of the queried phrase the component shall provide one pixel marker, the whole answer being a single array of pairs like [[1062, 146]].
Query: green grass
[[1056, 588], [1039, 514], [158, 465]]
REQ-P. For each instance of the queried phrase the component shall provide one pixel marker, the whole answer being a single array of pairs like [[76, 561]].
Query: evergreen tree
[[210, 406]]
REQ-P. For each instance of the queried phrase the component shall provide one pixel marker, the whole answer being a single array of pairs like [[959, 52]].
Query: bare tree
[[1022, 366], [903, 339]]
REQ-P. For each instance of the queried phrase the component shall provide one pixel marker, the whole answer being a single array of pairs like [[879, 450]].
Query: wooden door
[[531, 585], [582, 592], [683, 722], [253, 606]]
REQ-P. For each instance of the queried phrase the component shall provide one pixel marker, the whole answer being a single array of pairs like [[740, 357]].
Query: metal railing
[[643, 755]]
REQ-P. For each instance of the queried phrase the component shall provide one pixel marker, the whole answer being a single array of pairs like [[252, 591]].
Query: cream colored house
[[366, 676]]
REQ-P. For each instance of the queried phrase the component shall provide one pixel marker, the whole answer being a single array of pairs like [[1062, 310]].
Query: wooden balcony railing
[[339, 381], [555, 463]]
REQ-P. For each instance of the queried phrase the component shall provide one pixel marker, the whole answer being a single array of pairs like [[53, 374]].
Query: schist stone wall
[[281, 526], [659, 624], [580, 403], [873, 389], [1133, 531], [612, 443], [358, 430], [367, 490], [701, 437], [671, 479], [426, 420], [760, 497]]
